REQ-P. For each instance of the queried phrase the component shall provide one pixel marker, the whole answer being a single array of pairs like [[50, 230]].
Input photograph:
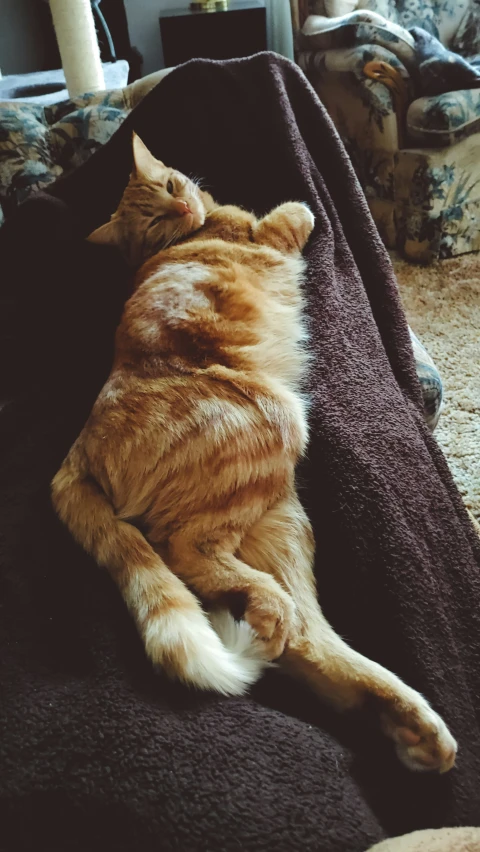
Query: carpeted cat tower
[[75, 23], [77, 42]]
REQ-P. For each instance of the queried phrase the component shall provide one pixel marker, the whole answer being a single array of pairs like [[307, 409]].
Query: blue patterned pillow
[[38, 143], [430, 382]]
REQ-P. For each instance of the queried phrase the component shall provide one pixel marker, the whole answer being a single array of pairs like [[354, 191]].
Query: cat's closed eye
[[157, 220]]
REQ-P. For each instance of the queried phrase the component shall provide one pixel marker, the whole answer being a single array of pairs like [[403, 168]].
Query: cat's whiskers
[[173, 237]]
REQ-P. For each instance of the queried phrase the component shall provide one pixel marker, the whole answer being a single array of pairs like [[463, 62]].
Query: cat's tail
[[176, 632]]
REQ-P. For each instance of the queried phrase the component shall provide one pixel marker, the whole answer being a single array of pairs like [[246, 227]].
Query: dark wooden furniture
[[238, 30]]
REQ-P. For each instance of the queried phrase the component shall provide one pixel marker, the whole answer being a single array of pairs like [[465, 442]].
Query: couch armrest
[[349, 59], [368, 108], [443, 120]]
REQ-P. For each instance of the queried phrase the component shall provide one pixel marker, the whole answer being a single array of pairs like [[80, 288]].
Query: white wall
[[21, 47]]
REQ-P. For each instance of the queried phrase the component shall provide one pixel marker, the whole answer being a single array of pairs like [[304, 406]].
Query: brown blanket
[[97, 752]]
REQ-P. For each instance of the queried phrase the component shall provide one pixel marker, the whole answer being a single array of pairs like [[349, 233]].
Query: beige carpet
[[442, 302]]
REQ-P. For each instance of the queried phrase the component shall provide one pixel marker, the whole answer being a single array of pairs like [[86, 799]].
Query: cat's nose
[[181, 207]]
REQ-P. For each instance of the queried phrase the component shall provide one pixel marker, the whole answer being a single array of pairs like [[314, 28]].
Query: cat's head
[[159, 207]]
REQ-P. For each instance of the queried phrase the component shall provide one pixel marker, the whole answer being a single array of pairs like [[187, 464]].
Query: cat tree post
[[78, 45]]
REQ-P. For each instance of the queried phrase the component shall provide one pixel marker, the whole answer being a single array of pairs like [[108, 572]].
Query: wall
[[21, 36], [144, 29], [21, 41], [21, 46]]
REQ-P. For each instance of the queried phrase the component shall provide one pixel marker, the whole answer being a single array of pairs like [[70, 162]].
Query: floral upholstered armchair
[[418, 158]]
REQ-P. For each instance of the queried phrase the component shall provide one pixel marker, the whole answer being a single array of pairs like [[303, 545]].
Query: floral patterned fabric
[[39, 144], [430, 381], [444, 119], [433, 68], [421, 170], [442, 18], [358, 28], [466, 40], [437, 69], [448, 20]]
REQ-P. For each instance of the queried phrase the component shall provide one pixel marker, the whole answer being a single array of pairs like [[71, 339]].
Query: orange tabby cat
[[182, 481]]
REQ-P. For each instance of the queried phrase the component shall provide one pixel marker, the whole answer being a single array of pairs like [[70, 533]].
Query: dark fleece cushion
[[97, 751]]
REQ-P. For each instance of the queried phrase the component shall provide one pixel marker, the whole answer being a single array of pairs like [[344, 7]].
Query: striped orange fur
[[182, 482]]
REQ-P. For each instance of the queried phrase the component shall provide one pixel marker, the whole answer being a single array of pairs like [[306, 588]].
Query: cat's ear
[[145, 163], [106, 235]]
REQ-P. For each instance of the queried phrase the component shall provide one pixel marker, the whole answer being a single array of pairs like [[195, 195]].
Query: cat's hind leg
[[176, 632], [207, 564], [281, 543]]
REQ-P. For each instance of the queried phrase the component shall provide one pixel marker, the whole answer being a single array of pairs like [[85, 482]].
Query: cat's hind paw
[[422, 740]]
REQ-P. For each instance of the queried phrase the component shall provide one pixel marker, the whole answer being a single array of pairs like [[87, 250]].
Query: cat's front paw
[[422, 740], [270, 613], [300, 219], [287, 228], [309, 215]]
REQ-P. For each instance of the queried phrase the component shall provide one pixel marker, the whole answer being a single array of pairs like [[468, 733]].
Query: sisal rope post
[[78, 45]]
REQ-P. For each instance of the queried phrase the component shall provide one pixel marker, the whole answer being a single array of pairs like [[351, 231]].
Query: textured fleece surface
[[99, 752]]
